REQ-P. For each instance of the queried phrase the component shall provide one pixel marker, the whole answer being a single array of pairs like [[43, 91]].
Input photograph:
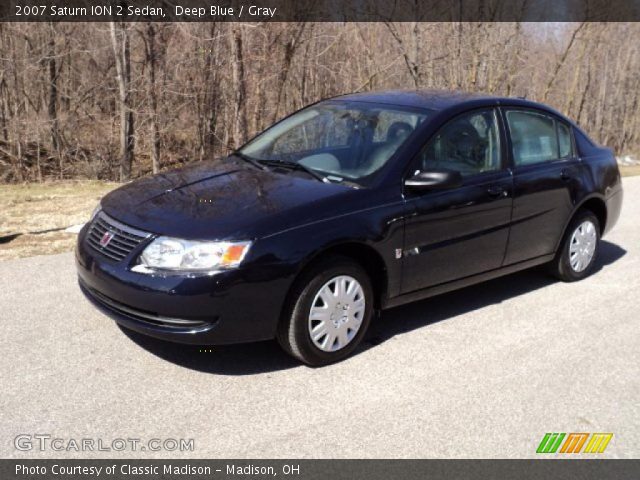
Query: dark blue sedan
[[345, 208]]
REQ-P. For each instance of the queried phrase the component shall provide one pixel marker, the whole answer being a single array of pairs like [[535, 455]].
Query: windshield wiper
[[296, 166], [262, 165], [250, 160]]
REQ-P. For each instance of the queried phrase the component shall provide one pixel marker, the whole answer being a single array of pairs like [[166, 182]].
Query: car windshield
[[341, 140]]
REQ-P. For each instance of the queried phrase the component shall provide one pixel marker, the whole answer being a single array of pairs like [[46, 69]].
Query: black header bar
[[320, 10]]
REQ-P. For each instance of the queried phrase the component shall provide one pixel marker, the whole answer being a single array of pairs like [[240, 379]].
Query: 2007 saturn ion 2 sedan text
[[344, 208]]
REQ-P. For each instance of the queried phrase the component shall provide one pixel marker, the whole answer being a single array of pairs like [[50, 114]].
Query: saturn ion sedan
[[345, 208]]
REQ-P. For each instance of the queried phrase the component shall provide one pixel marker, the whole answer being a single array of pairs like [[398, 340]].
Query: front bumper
[[235, 306]]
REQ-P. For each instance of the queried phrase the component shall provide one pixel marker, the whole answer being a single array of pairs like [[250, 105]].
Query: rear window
[[564, 140], [537, 137], [533, 137]]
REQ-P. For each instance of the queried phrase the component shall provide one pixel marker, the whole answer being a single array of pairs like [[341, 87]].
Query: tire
[[583, 233], [345, 321]]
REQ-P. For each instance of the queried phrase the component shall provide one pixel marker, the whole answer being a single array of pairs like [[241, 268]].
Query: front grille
[[124, 239]]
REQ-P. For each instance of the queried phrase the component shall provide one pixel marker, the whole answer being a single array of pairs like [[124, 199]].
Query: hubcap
[[582, 246], [336, 313]]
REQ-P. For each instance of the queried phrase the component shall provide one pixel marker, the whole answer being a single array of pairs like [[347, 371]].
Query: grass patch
[[33, 217], [629, 170]]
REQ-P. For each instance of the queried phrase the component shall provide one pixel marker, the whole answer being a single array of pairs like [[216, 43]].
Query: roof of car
[[431, 99]]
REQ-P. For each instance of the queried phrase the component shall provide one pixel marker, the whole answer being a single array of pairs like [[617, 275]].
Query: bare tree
[[122, 54], [240, 86], [52, 107], [151, 57], [70, 92]]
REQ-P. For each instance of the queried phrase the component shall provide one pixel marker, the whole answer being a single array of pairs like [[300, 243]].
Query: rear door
[[451, 234], [546, 170]]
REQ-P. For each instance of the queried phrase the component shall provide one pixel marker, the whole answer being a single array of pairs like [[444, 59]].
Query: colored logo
[[574, 442], [106, 238]]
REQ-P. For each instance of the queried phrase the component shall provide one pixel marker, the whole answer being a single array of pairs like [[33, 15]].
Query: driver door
[[456, 233]]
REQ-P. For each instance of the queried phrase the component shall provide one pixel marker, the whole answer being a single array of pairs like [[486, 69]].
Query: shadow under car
[[261, 357]]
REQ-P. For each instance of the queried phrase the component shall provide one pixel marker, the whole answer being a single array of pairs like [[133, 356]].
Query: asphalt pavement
[[481, 372]]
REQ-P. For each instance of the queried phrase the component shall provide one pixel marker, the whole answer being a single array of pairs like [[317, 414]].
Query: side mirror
[[439, 179]]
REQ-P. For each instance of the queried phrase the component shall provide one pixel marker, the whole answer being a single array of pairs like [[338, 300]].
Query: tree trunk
[[52, 107], [123, 70], [153, 97], [239, 80]]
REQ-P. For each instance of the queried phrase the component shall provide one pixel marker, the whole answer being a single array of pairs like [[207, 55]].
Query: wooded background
[[116, 100]]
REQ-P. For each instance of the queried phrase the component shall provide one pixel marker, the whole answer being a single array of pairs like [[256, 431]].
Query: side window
[[564, 141], [534, 137], [469, 144], [390, 123]]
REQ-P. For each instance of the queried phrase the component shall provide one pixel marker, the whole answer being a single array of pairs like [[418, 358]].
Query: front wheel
[[579, 250], [329, 311]]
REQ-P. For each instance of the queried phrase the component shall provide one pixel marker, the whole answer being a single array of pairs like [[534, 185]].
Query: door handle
[[565, 174], [496, 191]]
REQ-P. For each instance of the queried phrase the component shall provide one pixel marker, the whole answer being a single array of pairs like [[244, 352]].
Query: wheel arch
[[593, 203], [365, 255], [599, 208]]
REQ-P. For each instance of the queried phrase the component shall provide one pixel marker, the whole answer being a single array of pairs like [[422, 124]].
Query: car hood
[[227, 199]]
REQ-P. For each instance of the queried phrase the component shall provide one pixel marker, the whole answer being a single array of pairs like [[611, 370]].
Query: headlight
[[166, 253], [95, 211]]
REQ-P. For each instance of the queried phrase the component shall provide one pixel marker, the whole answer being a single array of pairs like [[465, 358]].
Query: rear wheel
[[577, 255], [328, 313]]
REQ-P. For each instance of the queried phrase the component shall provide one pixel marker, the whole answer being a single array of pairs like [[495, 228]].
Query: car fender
[[575, 210]]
